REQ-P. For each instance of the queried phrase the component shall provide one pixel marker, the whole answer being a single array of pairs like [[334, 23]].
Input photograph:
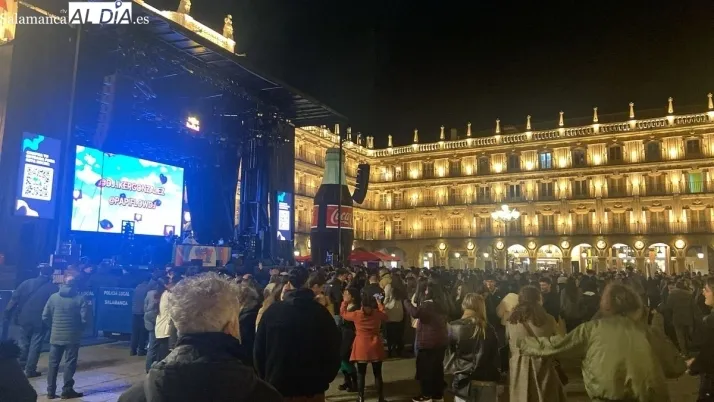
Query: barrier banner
[[114, 310]]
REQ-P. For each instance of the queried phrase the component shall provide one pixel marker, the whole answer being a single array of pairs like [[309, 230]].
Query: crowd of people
[[285, 334]]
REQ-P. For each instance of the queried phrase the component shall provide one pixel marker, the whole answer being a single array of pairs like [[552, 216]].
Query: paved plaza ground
[[105, 371]]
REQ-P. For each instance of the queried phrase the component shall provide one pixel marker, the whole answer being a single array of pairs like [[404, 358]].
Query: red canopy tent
[[362, 256], [303, 258], [385, 257]]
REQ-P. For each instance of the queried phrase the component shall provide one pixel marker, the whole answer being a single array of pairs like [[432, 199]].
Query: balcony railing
[[699, 227], [656, 189], [548, 230], [547, 197], [695, 187], [310, 157], [616, 191]]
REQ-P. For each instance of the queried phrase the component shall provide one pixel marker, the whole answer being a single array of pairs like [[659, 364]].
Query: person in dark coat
[[26, 306], [297, 346], [139, 334], [14, 386], [249, 306], [352, 296], [205, 363], [703, 364], [372, 288], [551, 298], [66, 313]]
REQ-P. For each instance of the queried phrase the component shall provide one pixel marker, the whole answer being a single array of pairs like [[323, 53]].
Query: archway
[[549, 257], [429, 257], [485, 258], [394, 252], [697, 259], [621, 256], [583, 257], [517, 259], [658, 258], [457, 259]]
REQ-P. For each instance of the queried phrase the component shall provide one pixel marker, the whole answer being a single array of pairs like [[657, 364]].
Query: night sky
[[392, 66]]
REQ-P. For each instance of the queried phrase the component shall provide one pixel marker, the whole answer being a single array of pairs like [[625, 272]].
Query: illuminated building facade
[[601, 195]]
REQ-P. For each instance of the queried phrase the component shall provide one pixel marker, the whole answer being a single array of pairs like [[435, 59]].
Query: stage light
[[187, 216], [192, 123]]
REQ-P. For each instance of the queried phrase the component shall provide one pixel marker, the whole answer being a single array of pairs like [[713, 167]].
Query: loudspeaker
[[360, 192]]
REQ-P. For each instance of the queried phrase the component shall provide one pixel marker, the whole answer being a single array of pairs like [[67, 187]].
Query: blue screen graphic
[[38, 176], [111, 188], [285, 215]]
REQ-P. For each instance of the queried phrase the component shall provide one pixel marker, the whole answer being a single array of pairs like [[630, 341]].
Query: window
[[614, 154], [397, 227], [579, 158], [383, 229], [514, 191], [383, 200], [397, 200], [455, 168], [428, 196], [695, 183], [545, 160], [658, 223], [514, 162], [546, 191], [655, 185], [619, 224], [454, 196], [698, 221], [429, 225], [428, 170], [484, 225], [693, 147], [547, 224], [455, 224], [580, 188], [653, 152], [484, 194], [616, 187], [398, 173], [484, 165], [582, 223]]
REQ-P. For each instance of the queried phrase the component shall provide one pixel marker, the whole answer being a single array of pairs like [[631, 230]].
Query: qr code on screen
[[37, 182]]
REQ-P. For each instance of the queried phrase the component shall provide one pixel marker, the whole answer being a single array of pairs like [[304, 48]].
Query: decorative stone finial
[[228, 27], [561, 123], [468, 125], [528, 122], [595, 119], [632, 110], [337, 130], [416, 136], [498, 126], [184, 7], [359, 139], [670, 106], [441, 134], [389, 141], [349, 134], [371, 142], [711, 104]]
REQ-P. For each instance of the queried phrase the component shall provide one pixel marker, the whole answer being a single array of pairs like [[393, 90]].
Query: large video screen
[[37, 178], [110, 189], [285, 215]]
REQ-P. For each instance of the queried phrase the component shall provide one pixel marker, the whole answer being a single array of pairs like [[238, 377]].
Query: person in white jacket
[[394, 328], [162, 330]]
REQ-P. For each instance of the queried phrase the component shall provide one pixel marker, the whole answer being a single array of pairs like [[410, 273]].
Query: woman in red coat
[[367, 346]]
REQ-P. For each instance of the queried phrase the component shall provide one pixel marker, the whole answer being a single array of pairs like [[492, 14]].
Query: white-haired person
[[205, 363]]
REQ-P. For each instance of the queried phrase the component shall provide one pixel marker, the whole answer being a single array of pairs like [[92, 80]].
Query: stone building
[[598, 195]]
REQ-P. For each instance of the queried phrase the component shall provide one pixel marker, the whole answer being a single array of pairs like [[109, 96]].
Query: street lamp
[[457, 255], [296, 253]]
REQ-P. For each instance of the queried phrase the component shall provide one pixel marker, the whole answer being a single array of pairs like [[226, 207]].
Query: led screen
[[37, 176], [111, 188], [285, 215]]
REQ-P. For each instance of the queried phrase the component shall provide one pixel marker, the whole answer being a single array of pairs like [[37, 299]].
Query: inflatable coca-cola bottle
[[328, 218]]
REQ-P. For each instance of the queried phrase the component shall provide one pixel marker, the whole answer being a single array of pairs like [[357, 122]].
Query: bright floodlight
[[187, 216], [505, 214], [296, 253], [457, 255], [192, 123]]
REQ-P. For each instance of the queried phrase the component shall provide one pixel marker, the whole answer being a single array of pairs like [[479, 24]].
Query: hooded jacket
[[66, 313], [14, 386], [202, 367]]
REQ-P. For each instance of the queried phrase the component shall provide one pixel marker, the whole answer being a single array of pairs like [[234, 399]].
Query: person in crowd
[[551, 298], [14, 385], [532, 378], [66, 314], [680, 307], [703, 364], [206, 363], [297, 346], [624, 360], [274, 281], [368, 346], [571, 304], [151, 311], [334, 290], [431, 341], [372, 288], [275, 295], [139, 334], [394, 295], [162, 330], [316, 282], [351, 296], [249, 303], [472, 353], [25, 309]]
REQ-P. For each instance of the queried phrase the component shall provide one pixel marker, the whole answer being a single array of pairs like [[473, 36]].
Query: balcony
[[699, 227], [616, 191], [548, 231], [484, 199], [577, 195], [547, 197], [582, 228], [308, 191], [658, 228], [514, 198], [311, 158], [695, 187], [618, 228], [656, 189]]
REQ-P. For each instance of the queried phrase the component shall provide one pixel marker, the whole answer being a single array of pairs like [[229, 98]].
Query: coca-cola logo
[[344, 214]]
